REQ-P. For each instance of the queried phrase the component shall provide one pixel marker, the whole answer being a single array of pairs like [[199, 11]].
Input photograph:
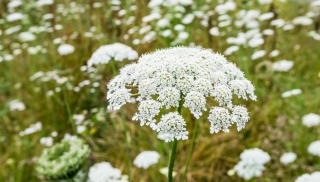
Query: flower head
[[103, 171], [313, 177], [314, 148], [172, 125], [311, 120], [116, 51], [63, 159], [252, 163], [182, 76], [146, 159], [288, 157]]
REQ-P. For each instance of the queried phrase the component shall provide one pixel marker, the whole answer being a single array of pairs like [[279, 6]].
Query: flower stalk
[[174, 147]]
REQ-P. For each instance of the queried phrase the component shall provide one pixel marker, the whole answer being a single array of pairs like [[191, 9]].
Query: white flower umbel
[[182, 76], [313, 177], [311, 120], [146, 159], [196, 102], [252, 163], [116, 51], [314, 148], [172, 125], [16, 105], [282, 66], [65, 49], [146, 111], [288, 157], [104, 172]]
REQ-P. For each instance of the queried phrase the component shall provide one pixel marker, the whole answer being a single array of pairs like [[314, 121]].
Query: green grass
[[275, 125]]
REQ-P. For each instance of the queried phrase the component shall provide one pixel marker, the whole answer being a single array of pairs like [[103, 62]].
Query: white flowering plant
[[63, 160], [182, 77]]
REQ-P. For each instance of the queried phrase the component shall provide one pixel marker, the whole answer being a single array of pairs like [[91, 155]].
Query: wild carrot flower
[[103, 171], [314, 148], [182, 76], [116, 51], [63, 160], [146, 158], [315, 176], [252, 163], [288, 157]]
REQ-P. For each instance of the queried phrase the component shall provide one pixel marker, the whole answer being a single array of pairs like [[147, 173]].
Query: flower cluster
[[116, 51], [103, 172], [288, 157], [182, 76], [314, 148], [146, 158], [252, 163], [62, 160], [313, 177]]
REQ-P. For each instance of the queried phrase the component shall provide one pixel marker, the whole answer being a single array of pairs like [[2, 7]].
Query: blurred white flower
[[104, 172], [188, 19], [164, 22], [165, 170], [179, 27], [265, 1], [291, 93], [268, 32], [214, 31], [116, 51], [14, 17], [47, 141], [224, 8], [146, 159], [258, 54], [16, 105], [31, 129], [44, 2], [251, 163], [288, 27], [80, 129], [313, 177], [274, 53], [231, 50], [26, 36], [282, 66], [48, 16], [69, 137], [288, 157], [302, 20], [183, 35], [311, 120], [314, 148], [266, 16], [277, 23], [255, 42], [166, 33], [65, 49], [14, 4], [54, 134], [314, 35]]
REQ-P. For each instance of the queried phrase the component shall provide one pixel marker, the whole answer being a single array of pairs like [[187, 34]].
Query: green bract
[[63, 160]]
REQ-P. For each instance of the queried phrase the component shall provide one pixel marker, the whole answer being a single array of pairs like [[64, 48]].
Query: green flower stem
[[190, 151], [174, 147], [128, 158], [69, 112], [173, 156]]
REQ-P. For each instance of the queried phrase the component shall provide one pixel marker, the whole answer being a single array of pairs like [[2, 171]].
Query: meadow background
[[59, 90]]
